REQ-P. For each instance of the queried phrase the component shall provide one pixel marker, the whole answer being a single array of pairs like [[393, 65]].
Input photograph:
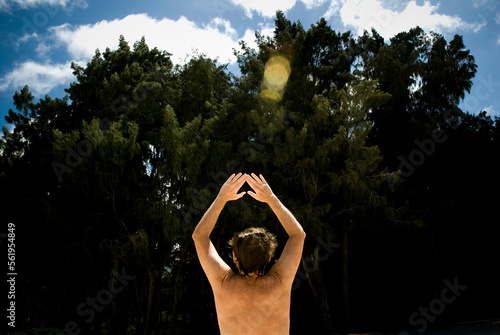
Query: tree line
[[393, 183]]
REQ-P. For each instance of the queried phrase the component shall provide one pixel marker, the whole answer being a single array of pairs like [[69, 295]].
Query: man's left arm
[[215, 268]]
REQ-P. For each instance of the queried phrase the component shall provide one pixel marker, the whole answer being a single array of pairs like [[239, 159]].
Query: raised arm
[[213, 265], [287, 265]]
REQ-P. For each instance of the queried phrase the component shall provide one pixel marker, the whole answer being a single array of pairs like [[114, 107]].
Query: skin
[[250, 304]]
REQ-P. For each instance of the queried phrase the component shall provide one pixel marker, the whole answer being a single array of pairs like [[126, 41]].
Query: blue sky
[[40, 38]]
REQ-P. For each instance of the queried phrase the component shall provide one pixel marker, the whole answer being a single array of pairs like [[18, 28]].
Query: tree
[[313, 143], [140, 89], [119, 152], [425, 76]]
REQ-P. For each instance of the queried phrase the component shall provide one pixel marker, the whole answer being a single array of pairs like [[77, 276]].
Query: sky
[[39, 39]]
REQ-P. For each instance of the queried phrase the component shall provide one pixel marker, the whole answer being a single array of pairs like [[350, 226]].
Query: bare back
[[258, 305], [255, 305]]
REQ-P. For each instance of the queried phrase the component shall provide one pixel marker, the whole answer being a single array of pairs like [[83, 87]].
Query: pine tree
[[313, 143]]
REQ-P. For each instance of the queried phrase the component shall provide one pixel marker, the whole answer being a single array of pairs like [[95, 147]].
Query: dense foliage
[[393, 183]]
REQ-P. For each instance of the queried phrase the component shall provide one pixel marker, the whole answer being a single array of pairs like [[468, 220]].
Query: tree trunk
[[153, 303], [315, 280], [119, 310], [345, 277], [98, 324], [177, 284], [140, 306]]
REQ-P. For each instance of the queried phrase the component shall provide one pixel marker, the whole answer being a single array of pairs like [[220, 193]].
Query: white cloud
[[368, 14], [228, 30], [497, 18], [265, 8], [478, 3], [491, 112], [180, 38], [8, 5], [41, 78], [333, 8], [268, 8], [314, 3], [249, 36]]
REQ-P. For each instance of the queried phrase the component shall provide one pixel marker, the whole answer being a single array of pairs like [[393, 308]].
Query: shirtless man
[[251, 302]]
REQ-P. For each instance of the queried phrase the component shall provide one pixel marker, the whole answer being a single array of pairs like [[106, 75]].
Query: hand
[[228, 191], [262, 191]]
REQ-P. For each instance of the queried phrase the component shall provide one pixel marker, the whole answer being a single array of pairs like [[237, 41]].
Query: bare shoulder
[[270, 279], [286, 266], [252, 288]]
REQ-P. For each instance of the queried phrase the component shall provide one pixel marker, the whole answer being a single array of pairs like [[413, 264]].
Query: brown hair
[[253, 247]]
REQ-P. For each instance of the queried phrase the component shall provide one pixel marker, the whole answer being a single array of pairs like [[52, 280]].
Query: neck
[[250, 275]]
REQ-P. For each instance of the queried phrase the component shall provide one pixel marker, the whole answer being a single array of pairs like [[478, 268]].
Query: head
[[253, 249]]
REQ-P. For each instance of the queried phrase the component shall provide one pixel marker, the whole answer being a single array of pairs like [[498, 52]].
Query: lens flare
[[276, 76]]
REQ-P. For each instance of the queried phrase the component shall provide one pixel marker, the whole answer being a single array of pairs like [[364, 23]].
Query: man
[[251, 302]]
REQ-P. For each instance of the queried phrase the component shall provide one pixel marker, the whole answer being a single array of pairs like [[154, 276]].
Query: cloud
[[218, 22], [8, 5], [180, 38], [268, 8], [264, 8], [491, 112], [479, 3], [333, 8], [41, 78], [314, 3], [249, 36], [368, 14], [497, 20]]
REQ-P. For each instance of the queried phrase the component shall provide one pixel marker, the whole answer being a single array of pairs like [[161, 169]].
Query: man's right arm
[[288, 263], [288, 221]]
